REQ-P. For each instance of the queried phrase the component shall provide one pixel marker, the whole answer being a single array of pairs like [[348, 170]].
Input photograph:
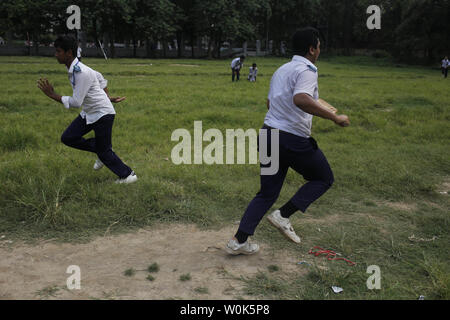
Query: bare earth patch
[[402, 206], [183, 65], [444, 188], [39, 272]]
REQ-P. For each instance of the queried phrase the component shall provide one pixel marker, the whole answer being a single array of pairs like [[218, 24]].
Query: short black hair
[[242, 57], [303, 39], [67, 43]]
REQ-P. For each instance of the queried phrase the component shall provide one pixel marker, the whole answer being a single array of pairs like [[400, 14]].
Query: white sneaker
[[284, 225], [234, 248], [130, 179], [98, 164]]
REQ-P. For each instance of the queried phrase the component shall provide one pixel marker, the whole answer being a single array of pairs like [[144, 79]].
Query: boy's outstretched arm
[[103, 84], [113, 99], [48, 90]]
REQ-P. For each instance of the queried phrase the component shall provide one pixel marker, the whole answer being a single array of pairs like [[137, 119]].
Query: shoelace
[[330, 255]]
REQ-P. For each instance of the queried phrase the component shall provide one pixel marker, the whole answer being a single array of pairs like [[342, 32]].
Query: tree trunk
[[164, 48], [36, 44], [111, 47], [180, 43], [219, 44], [9, 38], [148, 47], [210, 40], [192, 46], [348, 26]]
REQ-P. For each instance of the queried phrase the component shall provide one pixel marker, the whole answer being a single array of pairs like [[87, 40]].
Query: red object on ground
[[331, 255]]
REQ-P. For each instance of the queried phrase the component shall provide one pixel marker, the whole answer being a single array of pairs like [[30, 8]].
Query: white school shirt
[[298, 76], [445, 63], [87, 93], [252, 73], [101, 80], [236, 63]]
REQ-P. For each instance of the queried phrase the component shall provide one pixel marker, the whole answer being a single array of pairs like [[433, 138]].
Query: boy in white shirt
[[252, 73], [236, 66], [97, 110], [292, 103]]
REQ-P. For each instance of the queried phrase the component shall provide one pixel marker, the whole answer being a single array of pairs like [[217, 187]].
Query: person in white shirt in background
[[79, 52], [97, 110], [236, 66], [444, 67], [252, 73]]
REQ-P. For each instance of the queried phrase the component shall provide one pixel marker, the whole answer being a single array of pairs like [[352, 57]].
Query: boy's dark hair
[[242, 57], [303, 39], [254, 65], [67, 43]]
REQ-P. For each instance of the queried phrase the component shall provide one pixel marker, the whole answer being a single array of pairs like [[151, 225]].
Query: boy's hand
[[46, 87], [342, 120], [117, 99]]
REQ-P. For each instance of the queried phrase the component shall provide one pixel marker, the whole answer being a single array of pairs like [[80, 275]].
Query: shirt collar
[[74, 62], [305, 61]]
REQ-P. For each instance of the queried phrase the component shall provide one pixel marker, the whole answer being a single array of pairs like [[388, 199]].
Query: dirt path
[[39, 272]]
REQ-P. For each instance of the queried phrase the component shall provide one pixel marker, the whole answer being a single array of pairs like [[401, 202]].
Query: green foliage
[[411, 31]]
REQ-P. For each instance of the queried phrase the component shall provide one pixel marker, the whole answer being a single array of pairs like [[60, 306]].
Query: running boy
[[292, 103], [97, 111]]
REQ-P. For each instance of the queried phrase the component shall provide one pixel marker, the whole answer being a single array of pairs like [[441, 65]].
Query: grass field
[[391, 167]]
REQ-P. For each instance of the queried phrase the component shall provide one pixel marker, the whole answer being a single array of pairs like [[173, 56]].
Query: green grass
[[395, 151], [273, 268], [129, 272], [47, 292], [185, 277], [201, 290], [154, 267]]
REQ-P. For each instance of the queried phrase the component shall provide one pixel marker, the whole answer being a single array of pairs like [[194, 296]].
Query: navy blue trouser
[[101, 144], [302, 155], [235, 73]]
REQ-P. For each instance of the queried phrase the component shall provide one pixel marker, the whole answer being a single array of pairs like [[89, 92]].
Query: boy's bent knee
[[68, 140]]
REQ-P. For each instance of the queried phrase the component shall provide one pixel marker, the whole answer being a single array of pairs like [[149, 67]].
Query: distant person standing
[[236, 66], [252, 73], [79, 52], [444, 67]]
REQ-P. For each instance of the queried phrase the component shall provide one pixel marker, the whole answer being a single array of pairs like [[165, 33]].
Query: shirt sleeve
[[103, 82], [306, 82], [83, 82]]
